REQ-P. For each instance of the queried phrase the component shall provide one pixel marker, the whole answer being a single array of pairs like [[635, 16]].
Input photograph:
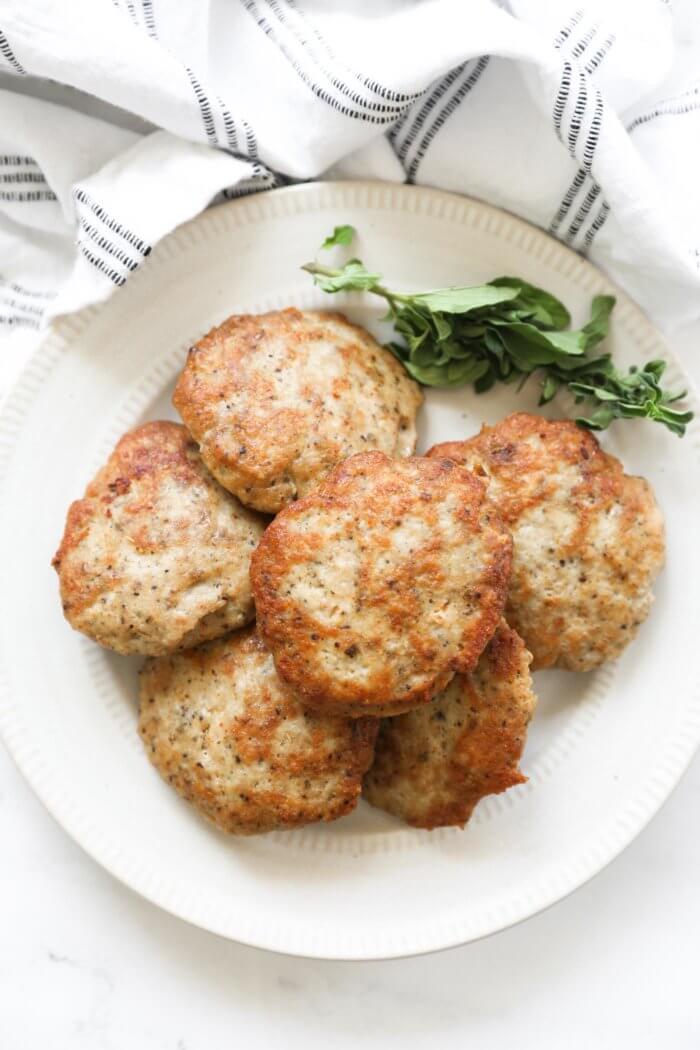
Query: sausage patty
[[276, 400], [376, 589], [588, 538], [156, 555], [228, 735], [432, 766]]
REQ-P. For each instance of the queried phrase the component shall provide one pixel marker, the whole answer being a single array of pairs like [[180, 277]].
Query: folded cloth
[[584, 120]]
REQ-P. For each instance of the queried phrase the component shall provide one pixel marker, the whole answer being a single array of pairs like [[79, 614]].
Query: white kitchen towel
[[584, 119]]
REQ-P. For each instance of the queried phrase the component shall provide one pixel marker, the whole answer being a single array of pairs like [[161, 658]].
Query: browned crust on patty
[[588, 538], [224, 731], [155, 555], [375, 590], [276, 400], [433, 766]]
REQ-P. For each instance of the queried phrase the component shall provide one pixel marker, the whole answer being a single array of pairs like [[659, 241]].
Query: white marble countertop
[[84, 963]]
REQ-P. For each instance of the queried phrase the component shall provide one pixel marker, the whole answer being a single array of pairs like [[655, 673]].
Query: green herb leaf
[[342, 235], [443, 326], [550, 386], [461, 300], [502, 332], [353, 277], [546, 310], [600, 420], [597, 328], [571, 344], [545, 347]]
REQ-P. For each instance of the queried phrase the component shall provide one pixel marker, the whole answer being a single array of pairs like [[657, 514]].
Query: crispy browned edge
[[195, 408], [271, 560], [194, 785], [603, 481], [572, 443], [145, 450], [495, 746]]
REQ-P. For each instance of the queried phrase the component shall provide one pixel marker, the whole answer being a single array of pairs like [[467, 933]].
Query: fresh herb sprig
[[502, 332]]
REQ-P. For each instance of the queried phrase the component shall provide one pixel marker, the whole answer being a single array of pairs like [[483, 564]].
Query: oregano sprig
[[504, 331]]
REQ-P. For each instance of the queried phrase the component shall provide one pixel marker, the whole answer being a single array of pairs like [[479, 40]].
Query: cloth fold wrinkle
[[301, 88]]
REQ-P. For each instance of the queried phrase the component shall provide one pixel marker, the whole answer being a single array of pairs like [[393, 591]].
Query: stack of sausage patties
[[399, 599]]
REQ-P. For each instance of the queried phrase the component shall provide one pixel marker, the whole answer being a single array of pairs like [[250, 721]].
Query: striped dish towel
[[120, 119]]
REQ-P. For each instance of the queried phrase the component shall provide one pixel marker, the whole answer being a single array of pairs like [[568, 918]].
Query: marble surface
[[87, 965]]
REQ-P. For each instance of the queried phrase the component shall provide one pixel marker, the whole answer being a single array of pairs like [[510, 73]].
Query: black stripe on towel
[[229, 126], [445, 113], [333, 71], [9, 55], [596, 225], [416, 117], [116, 227], [108, 246], [13, 160], [388, 94], [232, 134], [18, 289], [204, 108], [665, 109], [18, 321], [149, 18], [593, 133], [595, 59], [568, 199], [562, 95], [251, 141], [578, 49], [580, 216], [591, 141], [578, 113], [26, 196], [372, 113], [17, 305], [565, 33], [261, 178], [21, 306], [116, 278], [23, 177]]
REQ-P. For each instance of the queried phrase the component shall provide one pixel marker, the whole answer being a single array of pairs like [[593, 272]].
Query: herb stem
[[502, 332], [315, 269]]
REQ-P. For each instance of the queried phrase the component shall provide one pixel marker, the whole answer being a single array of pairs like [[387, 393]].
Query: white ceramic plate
[[605, 749]]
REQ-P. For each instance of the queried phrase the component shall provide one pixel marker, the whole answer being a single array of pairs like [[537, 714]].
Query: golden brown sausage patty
[[228, 735], [156, 555], [433, 765], [373, 591], [588, 538], [276, 400]]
